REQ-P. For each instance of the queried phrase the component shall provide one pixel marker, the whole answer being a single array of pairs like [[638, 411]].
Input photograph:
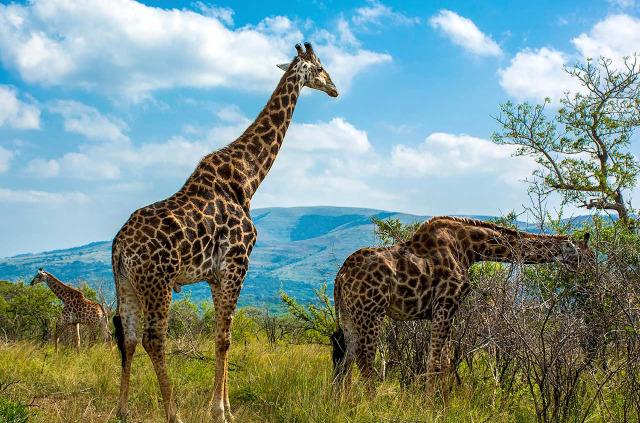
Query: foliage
[[583, 151], [27, 312], [392, 231], [13, 411], [318, 320]]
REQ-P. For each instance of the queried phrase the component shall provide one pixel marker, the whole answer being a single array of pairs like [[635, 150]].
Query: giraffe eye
[[320, 69]]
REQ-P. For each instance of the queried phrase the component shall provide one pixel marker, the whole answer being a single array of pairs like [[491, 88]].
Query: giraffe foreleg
[[61, 325], [154, 341], [225, 297]]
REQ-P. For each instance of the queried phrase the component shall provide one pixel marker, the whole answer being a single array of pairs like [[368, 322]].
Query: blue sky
[[106, 106]]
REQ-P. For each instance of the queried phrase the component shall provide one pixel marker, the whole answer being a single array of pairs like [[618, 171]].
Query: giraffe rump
[[117, 322]]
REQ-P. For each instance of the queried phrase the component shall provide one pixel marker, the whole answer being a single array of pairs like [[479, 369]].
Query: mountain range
[[298, 248]]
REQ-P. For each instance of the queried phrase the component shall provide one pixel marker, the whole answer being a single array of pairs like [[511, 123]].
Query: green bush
[[13, 411]]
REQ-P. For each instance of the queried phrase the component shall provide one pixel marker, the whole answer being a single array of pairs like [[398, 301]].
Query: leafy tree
[[392, 231], [27, 311], [583, 151], [318, 319]]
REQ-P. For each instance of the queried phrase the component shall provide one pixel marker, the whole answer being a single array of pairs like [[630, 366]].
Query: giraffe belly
[[410, 308]]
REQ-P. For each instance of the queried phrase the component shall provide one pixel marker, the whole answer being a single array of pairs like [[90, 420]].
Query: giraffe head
[[575, 254], [311, 70], [42, 276]]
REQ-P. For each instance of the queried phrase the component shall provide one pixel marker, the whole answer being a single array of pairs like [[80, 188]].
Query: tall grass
[[287, 383]]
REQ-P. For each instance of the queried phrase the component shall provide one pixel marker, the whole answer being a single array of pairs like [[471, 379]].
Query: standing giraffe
[[203, 232], [77, 309], [426, 277]]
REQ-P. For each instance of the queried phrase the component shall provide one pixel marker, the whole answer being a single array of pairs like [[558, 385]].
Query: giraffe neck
[[517, 247], [62, 291], [476, 241], [247, 160]]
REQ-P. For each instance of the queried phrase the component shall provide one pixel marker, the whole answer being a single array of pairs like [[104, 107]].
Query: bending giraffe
[[203, 232], [427, 277], [77, 310]]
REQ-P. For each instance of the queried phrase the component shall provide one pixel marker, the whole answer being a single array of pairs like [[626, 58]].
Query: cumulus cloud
[[88, 121], [534, 74], [376, 13], [447, 155], [463, 32], [622, 3], [15, 113], [225, 14], [127, 48], [614, 37], [5, 159], [537, 74], [8, 196], [336, 135], [74, 165]]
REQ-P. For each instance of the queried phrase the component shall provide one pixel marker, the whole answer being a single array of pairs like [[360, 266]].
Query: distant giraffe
[[77, 309], [426, 277], [203, 232]]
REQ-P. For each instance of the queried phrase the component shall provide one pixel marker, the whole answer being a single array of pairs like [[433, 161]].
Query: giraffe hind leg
[[126, 324], [366, 352]]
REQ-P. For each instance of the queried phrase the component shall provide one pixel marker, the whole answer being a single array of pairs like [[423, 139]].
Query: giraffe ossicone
[[426, 277], [203, 232], [77, 310]]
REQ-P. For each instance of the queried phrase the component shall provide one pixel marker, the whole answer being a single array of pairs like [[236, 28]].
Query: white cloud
[[88, 121], [43, 168], [337, 135], [225, 14], [463, 32], [622, 3], [342, 65], [8, 196], [15, 113], [5, 159], [536, 74], [614, 37], [127, 48], [376, 12], [74, 165], [448, 155]]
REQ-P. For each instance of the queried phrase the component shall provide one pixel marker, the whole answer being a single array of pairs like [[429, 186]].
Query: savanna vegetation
[[530, 342]]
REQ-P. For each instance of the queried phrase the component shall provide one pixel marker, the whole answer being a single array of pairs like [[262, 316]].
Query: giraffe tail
[[117, 320], [337, 339]]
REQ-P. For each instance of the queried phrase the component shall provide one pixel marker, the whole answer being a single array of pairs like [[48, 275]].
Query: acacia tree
[[583, 151]]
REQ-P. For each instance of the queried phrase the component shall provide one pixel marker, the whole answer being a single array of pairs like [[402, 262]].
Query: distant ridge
[[297, 249]]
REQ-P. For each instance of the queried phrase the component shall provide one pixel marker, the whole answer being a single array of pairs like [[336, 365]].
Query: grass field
[[288, 383]]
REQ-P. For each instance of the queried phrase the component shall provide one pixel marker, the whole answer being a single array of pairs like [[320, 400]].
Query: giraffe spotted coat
[[203, 232], [427, 277], [77, 310]]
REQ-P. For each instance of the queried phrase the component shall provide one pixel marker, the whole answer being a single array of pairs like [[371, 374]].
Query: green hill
[[297, 248]]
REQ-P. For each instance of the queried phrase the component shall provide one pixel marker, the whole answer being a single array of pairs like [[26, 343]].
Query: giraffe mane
[[72, 289], [491, 225]]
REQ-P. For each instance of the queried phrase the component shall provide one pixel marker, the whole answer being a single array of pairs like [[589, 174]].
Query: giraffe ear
[[284, 66]]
